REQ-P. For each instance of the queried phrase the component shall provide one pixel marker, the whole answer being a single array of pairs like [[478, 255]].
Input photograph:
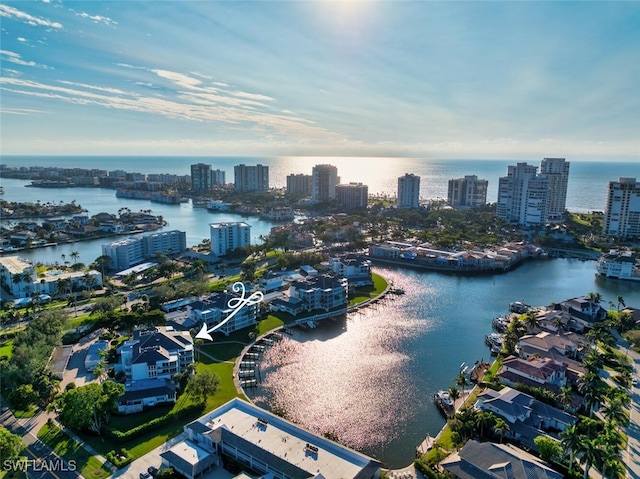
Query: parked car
[[144, 475], [153, 471]]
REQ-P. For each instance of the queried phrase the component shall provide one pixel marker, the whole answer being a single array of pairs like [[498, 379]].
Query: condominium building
[[200, 177], [215, 308], [240, 433], [409, 191], [251, 178], [324, 179], [352, 196], [556, 170], [467, 192], [128, 252], [226, 237], [299, 184], [622, 211], [523, 196], [218, 177]]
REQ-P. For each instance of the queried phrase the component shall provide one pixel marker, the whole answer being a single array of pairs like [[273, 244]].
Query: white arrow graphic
[[234, 303]]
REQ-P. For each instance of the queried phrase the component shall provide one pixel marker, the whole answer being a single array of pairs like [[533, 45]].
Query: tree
[[89, 407], [501, 427], [10, 445], [589, 453], [485, 419], [461, 381], [203, 384], [74, 256], [570, 441], [620, 302], [249, 270], [565, 396], [454, 393], [548, 448]]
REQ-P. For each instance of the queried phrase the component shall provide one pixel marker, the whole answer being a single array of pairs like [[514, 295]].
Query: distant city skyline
[[521, 80]]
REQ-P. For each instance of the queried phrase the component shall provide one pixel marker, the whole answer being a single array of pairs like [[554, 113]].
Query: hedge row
[[155, 423]]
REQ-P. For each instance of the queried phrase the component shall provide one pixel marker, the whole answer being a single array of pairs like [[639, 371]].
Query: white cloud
[[11, 12], [15, 58], [180, 79], [94, 87], [18, 111], [97, 18], [22, 39]]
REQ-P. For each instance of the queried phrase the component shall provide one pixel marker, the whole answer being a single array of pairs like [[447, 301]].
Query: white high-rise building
[[556, 170], [467, 192], [409, 191], [523, 196], [128, 252], [622, 211], [229, 236]]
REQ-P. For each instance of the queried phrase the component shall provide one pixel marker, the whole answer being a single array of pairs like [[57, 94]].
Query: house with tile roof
[[537, 372]]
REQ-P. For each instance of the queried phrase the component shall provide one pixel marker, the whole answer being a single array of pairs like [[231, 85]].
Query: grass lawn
[[266, 325], [362, 294], [89, 466], [6, 349], [26, 413]]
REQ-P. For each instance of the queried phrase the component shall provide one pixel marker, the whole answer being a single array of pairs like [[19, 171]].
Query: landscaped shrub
[[156, 423], [119, 459]]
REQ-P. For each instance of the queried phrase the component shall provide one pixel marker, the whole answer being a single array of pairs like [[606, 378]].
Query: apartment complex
[[299, 184], [215, 308], [265, 443], [409, 191], [251, 178], [352, 196], [324, 179], [128, 252], [531, 199], [467, 192], [200, 177], [523, 196], [622, 210], [229, 236], [556, 170]]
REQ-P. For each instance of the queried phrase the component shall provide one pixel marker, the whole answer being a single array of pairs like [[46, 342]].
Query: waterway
[[369, 380], [194, 221]]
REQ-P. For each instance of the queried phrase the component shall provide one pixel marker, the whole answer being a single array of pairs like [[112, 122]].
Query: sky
[[363, 78]]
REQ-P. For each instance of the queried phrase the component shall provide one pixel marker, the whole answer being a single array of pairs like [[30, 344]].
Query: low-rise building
[[356, 269], [619, 265], [265, 443], [322, 292], [536, 372], [215, 308], [146, 393]]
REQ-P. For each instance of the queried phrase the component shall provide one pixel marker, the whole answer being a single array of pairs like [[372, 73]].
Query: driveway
[[75, 372]]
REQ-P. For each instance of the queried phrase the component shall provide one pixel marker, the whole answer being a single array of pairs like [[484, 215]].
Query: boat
[[443, 398]]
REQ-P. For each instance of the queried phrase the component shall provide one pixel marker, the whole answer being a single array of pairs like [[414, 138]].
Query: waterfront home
[[526, 416], [239, 432], [582, 312], [488, 460], [619, 265], [215, 308], [567, 344], [537, 372], [146, 393], [156, 352], [22, 238], [353, 267]]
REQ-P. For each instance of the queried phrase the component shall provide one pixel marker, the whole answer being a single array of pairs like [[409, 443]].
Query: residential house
[[488, 460], [527, 417], [356, 269], [537, 372], [146, 393]]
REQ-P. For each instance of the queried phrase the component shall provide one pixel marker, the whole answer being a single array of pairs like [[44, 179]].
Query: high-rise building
[[467, 192], [324, 179], [226, 237], [200, 177], [251, 178], [556, 170], [299, 184], [218, 177], [409, 191], [129, 252], [352, 196], [622, 211], [523, 196]]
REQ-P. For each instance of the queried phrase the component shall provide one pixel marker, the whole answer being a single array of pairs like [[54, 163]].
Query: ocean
[[586, 189]]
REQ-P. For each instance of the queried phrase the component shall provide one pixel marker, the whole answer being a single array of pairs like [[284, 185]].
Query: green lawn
[[362, 294], [70, 450], [6, 349], [26, 413]]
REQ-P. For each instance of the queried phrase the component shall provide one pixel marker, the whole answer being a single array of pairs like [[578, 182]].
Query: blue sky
[[394, 78]]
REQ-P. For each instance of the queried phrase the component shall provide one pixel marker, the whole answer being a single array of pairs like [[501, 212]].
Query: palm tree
[[620, 302], [74, 255], [500, 427], [454, 393], [570, 440], [614, 413], [558, 324], [589, 453], [485, 419], [565, 396], [461, 381]]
